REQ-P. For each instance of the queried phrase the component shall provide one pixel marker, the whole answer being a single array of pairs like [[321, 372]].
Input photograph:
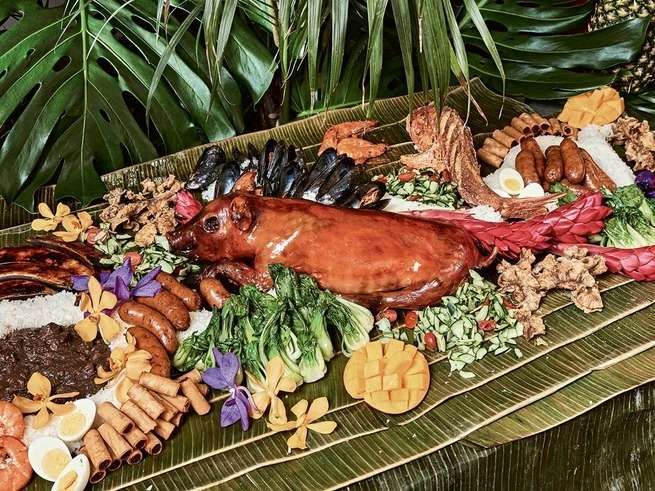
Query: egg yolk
[[54, 461], [72, 423], [67, 482], [513, 186]]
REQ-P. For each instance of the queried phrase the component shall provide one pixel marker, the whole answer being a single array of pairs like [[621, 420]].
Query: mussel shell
[[264, 160], [277, 162], [289, 177], [207, 169], [340, 182], [228, 175], [369, 195], [317, 174]]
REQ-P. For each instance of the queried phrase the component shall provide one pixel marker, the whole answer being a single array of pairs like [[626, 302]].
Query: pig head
[[220, 231]]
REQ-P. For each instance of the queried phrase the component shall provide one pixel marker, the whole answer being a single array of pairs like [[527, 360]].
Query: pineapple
[[634, 76]]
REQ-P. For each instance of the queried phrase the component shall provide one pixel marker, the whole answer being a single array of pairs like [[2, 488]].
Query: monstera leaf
[[74, 83], [546, 51]]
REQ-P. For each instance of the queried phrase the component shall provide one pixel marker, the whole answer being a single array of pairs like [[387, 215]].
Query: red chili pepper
[[487, 325], [430, 341], [406, 176], [411, 319]]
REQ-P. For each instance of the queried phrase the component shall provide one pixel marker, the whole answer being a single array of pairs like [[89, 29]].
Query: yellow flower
[[51, 220], [74, 226], [128, 364], [305, 422], [265, 393], [94, 303], [39, 386]]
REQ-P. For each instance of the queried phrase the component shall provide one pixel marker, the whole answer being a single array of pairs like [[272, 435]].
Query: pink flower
[[187, 207]]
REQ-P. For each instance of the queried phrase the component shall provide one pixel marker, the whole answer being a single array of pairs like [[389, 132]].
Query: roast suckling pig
[[373, 257]]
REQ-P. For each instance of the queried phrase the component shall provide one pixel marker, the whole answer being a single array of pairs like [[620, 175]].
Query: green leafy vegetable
[[570, 196], [633, 221], [423, 186], [293, 322], [467, 325]]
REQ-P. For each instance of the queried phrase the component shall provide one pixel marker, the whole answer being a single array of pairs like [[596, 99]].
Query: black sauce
[[56, 352]]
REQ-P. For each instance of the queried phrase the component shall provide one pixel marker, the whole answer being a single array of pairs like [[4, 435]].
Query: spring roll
[[513, 132], [134, 457], [164, 429], [136, 438], [555, 127], [96, 474], [504, 139], [496, 148], [115, 462], [112, 416], [197, 400], [529, 120], [158, 384], [543, 123], [489, 158], [114, 440], [153, 444], [144, 399], [96, 450], [194, 375], [203, 388], [140, 418], [521, 126], [181, 403]]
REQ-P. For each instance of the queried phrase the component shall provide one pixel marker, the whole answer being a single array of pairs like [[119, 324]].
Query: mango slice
[[392, 377], [601, 106]]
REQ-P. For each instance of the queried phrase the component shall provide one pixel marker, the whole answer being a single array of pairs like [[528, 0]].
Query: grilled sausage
[[525, 165], [171, 306], [574, 166], [160, 363], [213, 292], [143, 316], [595, 177], [554, 166], [531, 145], [190, 298]]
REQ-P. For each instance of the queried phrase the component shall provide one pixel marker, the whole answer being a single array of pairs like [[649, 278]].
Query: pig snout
[[183, 240]]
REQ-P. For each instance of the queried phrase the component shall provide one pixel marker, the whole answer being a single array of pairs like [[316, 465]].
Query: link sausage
[[143, 316], [160, 363], [213, 292], [171, 306], [574, 166], [554, 166], [190, 298]]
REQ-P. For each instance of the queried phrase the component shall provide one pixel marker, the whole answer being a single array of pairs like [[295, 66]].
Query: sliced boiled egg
[[48, 456], [73, 425], [75, 475], [532, 190], [501, 193], [510, 181]]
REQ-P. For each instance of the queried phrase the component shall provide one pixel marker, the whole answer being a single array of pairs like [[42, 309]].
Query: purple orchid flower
[[223, 377], [645, 180], [118, 281]]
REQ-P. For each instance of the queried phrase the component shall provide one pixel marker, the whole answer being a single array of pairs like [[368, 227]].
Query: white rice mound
[[594, 140], [59, 308]]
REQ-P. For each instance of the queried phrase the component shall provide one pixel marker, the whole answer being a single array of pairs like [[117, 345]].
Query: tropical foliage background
[[90, 86]]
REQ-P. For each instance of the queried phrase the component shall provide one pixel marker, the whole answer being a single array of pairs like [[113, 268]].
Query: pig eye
[[211, 224]]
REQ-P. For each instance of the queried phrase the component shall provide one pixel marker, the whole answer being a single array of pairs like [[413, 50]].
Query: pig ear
[[241, 213]]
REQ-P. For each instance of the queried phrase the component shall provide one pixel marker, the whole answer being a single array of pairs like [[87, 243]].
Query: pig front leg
[[240, 274]]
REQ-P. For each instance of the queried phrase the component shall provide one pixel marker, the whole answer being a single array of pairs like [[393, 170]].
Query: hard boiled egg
[[510, 181], [74, 425], [532, 190], [48, 456], [75, 475]]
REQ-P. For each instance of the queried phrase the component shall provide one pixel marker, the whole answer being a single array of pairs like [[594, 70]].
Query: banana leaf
[[509, 398]]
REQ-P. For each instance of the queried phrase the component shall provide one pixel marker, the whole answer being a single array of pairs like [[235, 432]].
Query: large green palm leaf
[[74, 82]]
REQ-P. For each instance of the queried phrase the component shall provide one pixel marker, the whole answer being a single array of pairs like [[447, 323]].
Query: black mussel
[[229, 175], [369, 195], [338, 182], [246, 182], [316, 175], [207, 168], [253, 156], [264, 160], [277, 162], [289, 177]]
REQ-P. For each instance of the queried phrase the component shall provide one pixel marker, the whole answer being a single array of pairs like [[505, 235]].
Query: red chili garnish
[[390, 314], [487, 325], [135, 259], [411, 319], [430, 341], [406, 176]]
